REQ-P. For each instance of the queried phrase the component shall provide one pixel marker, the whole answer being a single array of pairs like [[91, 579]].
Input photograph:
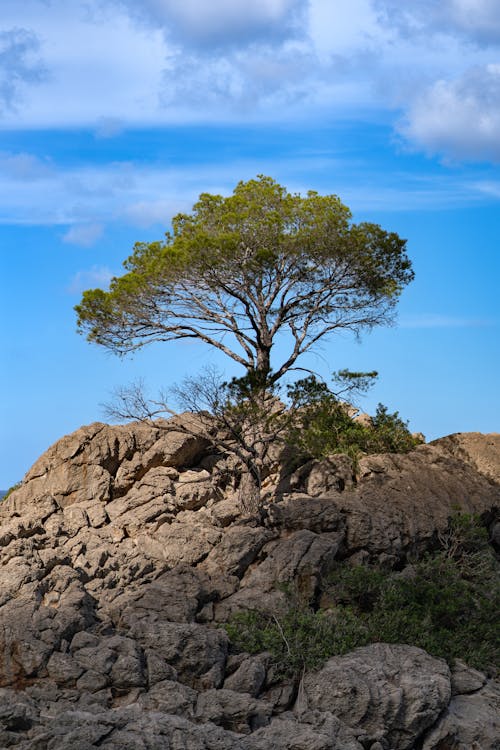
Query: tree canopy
[[238, 271]]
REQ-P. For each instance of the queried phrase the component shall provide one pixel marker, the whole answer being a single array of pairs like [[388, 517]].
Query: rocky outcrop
[[389, 693], [478, 450], [125, 548]]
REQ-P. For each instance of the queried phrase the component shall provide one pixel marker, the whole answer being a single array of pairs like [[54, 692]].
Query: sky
[[116, 114]]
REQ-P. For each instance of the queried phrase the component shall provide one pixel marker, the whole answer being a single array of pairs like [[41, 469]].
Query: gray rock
[[471, 722], [121, 548], [332, 474], [302, 558], [321, 732], [63, 669], [171, 697], [465, 679], [479, 450], [249, 677], [238, 712], [386, 690], [237, 550], [198, 654]]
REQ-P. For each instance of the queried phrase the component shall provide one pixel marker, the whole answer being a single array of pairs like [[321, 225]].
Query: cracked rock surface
[[123, 551]]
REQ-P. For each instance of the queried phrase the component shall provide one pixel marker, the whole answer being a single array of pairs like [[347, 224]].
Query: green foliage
[[324, 423], [389, 433], [298, 640], [11, 490], [446, 603], [239, 270]]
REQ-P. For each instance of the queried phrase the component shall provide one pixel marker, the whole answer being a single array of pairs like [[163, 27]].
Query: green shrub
[[446, 603], [298, 640], [389, 433], [11, 490], [324, 423]]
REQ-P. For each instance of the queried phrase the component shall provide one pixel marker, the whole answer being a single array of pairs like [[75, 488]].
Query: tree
[[236, 273], [239, 271]]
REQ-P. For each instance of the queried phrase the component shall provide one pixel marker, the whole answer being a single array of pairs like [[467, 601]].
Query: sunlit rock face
[[125, 548]]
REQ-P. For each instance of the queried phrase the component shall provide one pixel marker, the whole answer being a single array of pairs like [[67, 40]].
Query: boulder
[[472, 722], [480, 451], [390, 692]]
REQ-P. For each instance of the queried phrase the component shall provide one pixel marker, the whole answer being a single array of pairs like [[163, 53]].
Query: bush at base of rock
[[446, 604], [298, 640]]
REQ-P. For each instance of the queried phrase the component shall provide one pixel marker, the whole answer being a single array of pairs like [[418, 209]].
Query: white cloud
[[116, 64], [97, 276], [23, 166], [83, 200], [221, 23], [146, 213], [84, 235], [19, 64], [488, 187], [459, 118], [476, 20]]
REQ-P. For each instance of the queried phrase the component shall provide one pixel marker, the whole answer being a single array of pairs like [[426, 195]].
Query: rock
[[185, 542], [237, 550], [238, 712], [300, 558], [402, 500], [176, 595], [125, 545], [171, 697], [249, 677], [332, 474], [320, 732], [465, 680], [63, 669], [299, 511], [479, 450], [389, 691], [472, 722], [198, 654]]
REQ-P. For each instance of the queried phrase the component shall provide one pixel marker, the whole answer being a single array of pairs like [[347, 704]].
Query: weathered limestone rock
[[391, 692], [236, 711], [124, 547], [317, 732], [472, 722], [249, 677], [198, 654], [237, 550], [332, 474], [465, 680], [478, 450], [401, 500]]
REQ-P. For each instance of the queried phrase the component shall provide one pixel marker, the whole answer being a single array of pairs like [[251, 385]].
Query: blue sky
[[115, 115]]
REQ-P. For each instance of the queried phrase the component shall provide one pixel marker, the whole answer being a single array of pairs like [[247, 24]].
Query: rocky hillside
[[125, 550]]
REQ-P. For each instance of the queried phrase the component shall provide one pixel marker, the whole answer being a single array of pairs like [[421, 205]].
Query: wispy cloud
[[160, 62], [476, 20], [84, 235], [20, 64], [24, 167], [459, 118], [97, 276], [85, 199]]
